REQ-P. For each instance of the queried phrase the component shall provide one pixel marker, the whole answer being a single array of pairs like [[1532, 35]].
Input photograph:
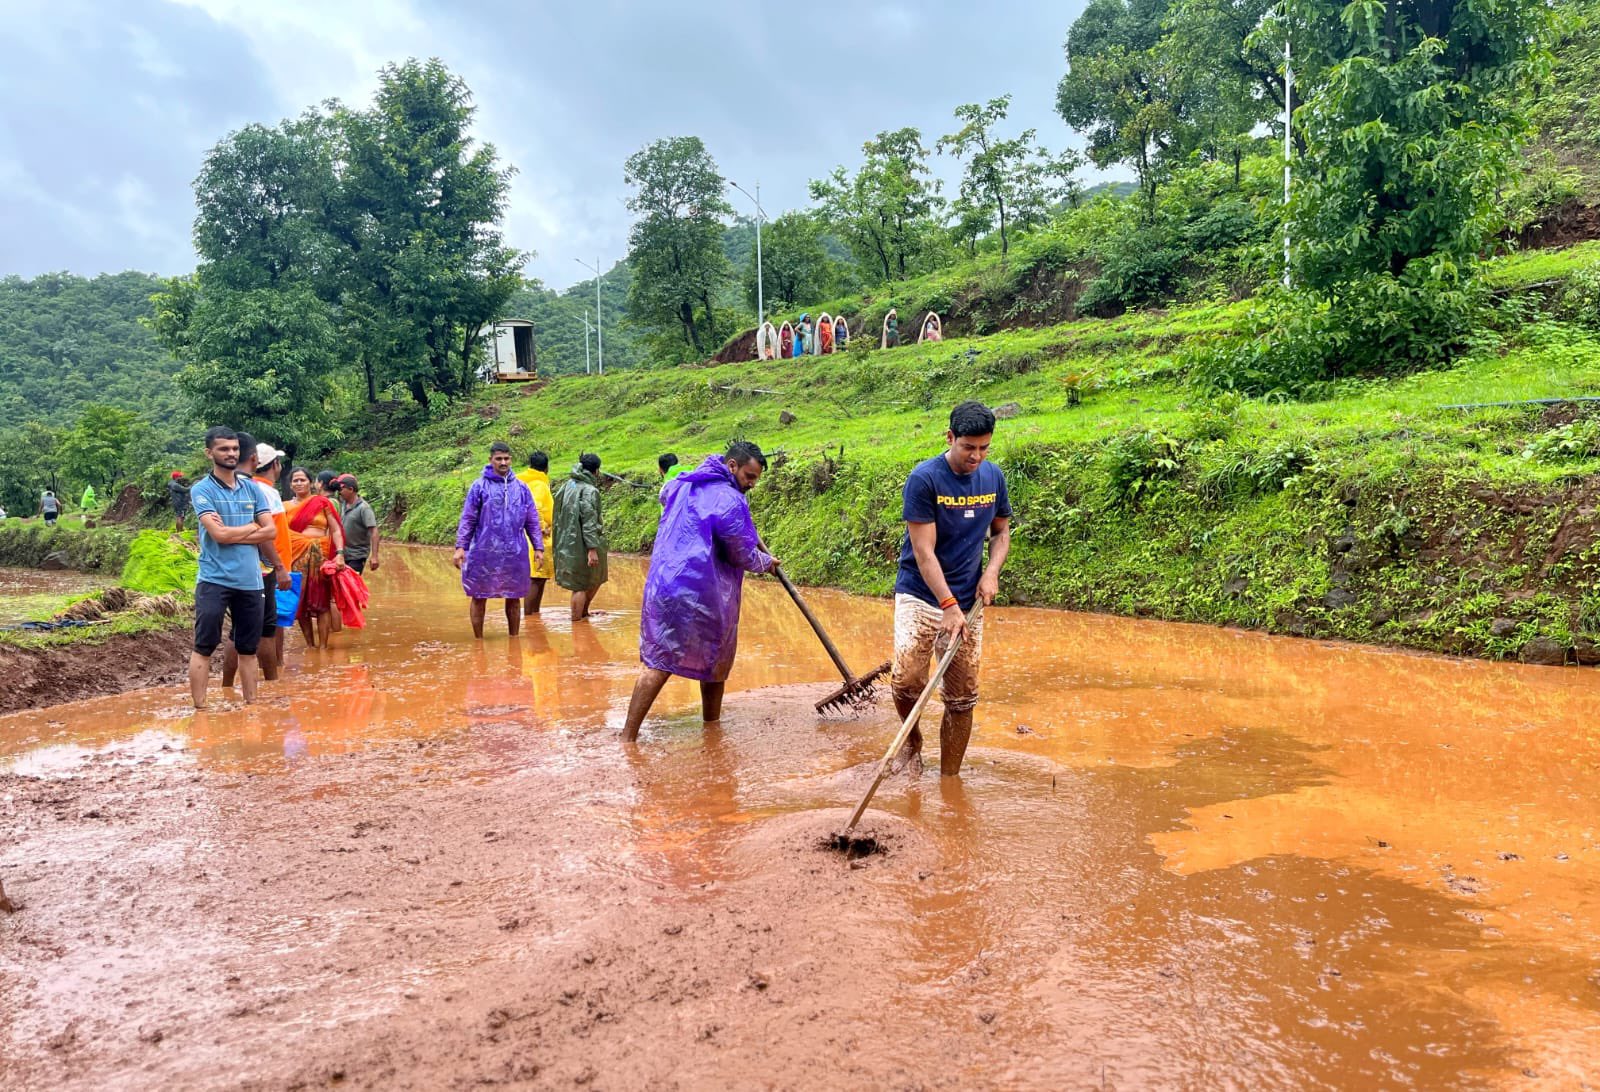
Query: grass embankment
[[1375, 515], [155, 582]]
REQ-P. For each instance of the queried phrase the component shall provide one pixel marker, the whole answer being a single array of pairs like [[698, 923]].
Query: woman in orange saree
[[316, 535]]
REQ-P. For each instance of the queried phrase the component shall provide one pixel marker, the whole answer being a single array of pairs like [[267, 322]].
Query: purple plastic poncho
[[498, 520], [705, 544]]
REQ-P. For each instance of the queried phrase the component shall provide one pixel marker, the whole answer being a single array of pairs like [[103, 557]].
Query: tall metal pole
[[587, 367], [599, 323], [761, 215], [1288, 145], [761, 298]]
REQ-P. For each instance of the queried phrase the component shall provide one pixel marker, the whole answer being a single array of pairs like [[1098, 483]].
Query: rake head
[[855, 695]]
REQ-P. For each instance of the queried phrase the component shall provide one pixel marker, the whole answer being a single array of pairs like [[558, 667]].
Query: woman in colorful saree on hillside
[[314, 526]]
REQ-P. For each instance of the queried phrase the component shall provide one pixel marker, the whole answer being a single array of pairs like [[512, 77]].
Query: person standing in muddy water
[[274, 564], [234, 523], [705, 543], [361, 535], [537, 479], [951, 504], [498, 522], [580, 544]]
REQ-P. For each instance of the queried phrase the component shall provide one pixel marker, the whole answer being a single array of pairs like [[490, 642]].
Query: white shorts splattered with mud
[[916, 629]]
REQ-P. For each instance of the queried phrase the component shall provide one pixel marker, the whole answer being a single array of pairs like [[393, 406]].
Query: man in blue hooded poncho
[[705, 544]]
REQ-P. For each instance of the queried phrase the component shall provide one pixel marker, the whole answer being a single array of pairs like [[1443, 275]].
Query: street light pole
[[587, 328], [599, 323], [761, 215], [1288, 120]]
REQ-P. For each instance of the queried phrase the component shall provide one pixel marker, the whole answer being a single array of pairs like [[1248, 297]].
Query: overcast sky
[[107, 108]]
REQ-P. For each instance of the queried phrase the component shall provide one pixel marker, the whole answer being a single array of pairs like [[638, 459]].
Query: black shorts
[[50, 519], [359, 564], [244, 607]]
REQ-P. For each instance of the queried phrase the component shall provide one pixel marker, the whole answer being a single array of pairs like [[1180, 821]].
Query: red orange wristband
[[948, 602]]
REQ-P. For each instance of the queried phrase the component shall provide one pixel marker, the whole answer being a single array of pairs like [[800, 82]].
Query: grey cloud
[[105, 119]]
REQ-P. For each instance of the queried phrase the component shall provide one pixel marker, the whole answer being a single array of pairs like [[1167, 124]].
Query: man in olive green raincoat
[[580, 538]]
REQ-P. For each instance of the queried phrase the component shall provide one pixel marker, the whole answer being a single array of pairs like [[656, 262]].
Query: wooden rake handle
[[822, 634], [916, 712]]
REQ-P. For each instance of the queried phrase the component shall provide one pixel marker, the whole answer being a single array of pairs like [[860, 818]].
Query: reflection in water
[[1276, 862]]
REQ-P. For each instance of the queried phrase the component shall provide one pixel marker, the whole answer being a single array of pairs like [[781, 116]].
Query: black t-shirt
[[961, 507]]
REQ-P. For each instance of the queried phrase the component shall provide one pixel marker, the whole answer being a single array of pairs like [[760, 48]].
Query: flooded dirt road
[[1179, 858]]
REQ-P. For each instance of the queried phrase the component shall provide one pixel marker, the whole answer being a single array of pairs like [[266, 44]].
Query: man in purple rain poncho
[[498, 521], [705, 544]]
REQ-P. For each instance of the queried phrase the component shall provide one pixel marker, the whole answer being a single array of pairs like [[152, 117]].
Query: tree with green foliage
[[795, 266], [342, 237], [675, 247], [29, 463], [417, 215], [888, 211], [259, 358], [94, 451], [1121, 89], [1012, 181], [1412, 127], [1227, 60]]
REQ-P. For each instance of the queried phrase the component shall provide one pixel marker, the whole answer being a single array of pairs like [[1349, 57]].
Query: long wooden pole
[[822, 634], [911, 719]]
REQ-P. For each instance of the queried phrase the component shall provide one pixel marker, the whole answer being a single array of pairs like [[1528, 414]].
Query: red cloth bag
[[350, 595]]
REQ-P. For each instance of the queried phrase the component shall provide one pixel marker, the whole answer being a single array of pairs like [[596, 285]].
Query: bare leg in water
[[909, 756], [308, 627], [648, 688], [513, 616], [266, 657], [580, 604], [479, 606], [535, 599], [645, 692], [955, 731], [711, 701]]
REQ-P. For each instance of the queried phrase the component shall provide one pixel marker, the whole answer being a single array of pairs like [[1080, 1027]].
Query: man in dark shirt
[[951, 504], [360, 527]]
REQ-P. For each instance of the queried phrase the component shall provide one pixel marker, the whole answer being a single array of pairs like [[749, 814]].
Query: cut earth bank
[[70, 638]]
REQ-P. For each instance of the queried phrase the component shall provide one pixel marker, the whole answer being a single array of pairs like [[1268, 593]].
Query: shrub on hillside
[[1578, 439], [1579, 300], [1383, 326]]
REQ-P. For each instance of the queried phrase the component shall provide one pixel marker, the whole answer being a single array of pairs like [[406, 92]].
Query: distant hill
[[1110, 189], [67, 341]]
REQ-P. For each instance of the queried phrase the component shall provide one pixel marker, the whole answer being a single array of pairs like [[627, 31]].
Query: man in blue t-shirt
[[234, 520], [951, 504]]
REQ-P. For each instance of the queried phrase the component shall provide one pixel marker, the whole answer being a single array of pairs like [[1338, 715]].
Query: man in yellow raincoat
[[537, 479]]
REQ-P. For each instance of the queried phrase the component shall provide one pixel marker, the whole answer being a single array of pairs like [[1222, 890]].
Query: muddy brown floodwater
[[1180, 857]]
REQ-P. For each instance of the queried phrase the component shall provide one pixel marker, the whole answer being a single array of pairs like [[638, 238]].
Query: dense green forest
[[67, 341]]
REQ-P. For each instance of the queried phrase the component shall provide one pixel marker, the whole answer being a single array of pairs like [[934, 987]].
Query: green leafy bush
[[1574, 440], [1133, 462]]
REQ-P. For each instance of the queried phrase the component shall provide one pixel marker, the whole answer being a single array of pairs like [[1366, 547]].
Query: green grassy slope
[[1376, 515]]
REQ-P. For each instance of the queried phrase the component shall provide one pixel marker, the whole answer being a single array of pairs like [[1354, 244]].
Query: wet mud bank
[[35, 678]]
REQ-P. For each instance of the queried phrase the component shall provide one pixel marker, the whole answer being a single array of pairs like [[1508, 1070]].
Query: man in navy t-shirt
[[951, 505]]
